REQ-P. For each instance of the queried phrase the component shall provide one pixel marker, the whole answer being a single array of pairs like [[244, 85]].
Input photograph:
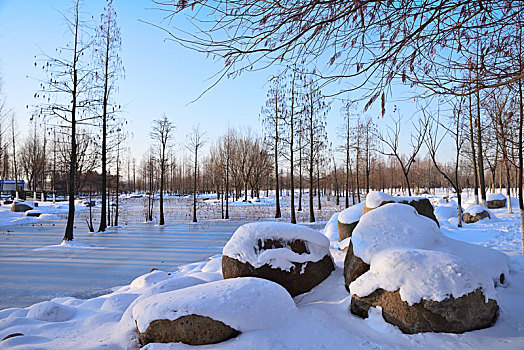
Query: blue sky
[[161, 77]]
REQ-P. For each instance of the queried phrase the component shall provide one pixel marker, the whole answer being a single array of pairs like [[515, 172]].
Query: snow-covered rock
[[421, 274], [348, 220], [293, 256], [375, 199], [396, 250], [246, 245], [476, 212], [353, 213], [241, 304], [495, 200]]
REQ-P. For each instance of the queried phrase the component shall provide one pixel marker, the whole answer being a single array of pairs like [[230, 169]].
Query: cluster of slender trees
[[454, 52], [461, 62]]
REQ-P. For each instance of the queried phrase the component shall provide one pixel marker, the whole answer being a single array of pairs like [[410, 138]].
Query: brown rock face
[[345, 230], [422, 205], [496, 203], [34, 213], [467, 313], [20, 207], [300, 279], [469, 219], [191, 329], [354, 267]]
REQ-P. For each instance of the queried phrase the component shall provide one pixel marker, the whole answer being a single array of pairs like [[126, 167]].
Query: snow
[[422, 274], [446, 212], [321, 319], [375, 198], [353, 213], [342, 244], [331, 228], [245, 304], [495, 196], [242, 244]]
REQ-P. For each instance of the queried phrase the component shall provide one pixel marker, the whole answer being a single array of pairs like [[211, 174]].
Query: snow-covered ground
[[321, 319]]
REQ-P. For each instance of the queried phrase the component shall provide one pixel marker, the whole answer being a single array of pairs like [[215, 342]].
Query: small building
[[9, 185]]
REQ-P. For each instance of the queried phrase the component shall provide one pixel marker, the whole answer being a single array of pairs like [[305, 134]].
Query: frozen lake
[[28, 276], [29, 272]]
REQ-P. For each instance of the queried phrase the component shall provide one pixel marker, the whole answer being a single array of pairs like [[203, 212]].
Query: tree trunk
[[318, 186], [68, 235], [195, 186], [473, 154]]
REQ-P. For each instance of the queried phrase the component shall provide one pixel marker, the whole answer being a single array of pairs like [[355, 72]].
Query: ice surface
[[246, 304], [242, 244]]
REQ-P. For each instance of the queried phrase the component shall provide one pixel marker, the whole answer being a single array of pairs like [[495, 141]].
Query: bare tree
[[14, 134], [273, 116], [391, 138], [457, 133], [162, 134], [315, 129], [69, 81], [195, 141], [108, 47]]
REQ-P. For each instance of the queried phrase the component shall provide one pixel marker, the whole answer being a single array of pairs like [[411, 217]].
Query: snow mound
[[446, 212], [243, 244], [51, 312], [331, 228], [399, 226], [118, 302], [353, 213], [49, 217], [421, 274], [495, 196], [148, 280], [476, 209], [244, 304]]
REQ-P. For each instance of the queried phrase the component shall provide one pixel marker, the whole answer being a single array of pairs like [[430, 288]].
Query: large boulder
[[495, 200], [18, 207], [422, 280], [348, 220], [211, 312], [475, 213], [422, 205], [190, 329], [354, 267], [452, 315], [293, 256]]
